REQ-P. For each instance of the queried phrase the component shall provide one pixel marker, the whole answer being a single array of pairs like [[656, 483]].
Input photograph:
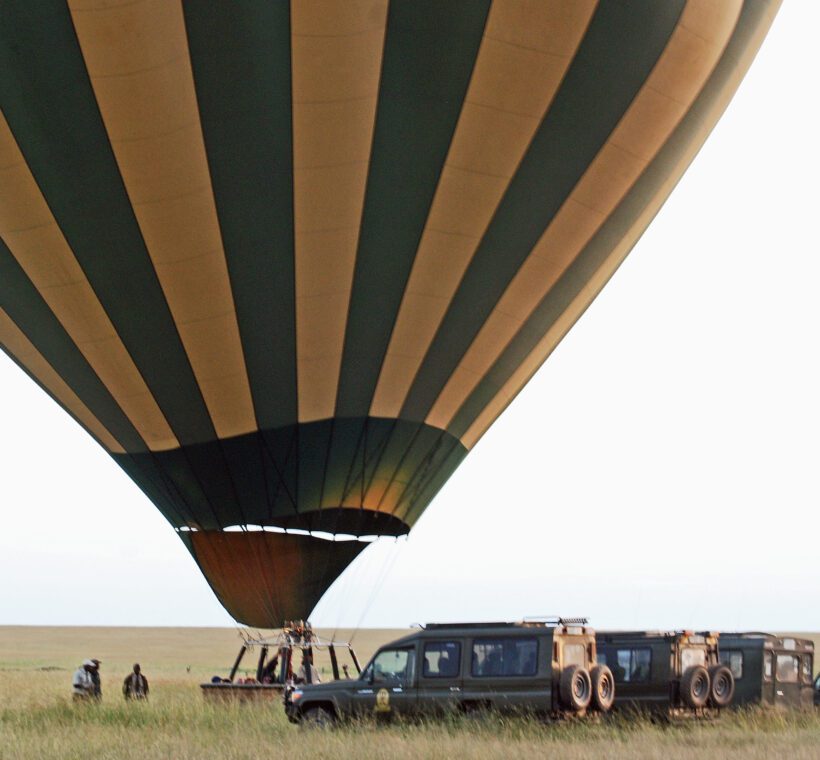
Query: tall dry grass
[[39, 720]]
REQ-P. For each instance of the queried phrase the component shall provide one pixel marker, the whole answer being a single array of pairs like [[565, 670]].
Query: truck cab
[[545, 667], [674, 672]]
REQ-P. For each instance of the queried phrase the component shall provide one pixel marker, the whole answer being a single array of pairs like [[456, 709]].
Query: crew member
[[82, 684], [135, 685], [95, 677], [307, 673]]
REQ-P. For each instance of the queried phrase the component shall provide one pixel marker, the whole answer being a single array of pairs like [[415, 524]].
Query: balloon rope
[[385, 571], [352, 582]]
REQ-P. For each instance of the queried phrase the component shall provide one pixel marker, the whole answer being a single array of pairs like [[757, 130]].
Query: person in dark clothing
[[269, 671], [95, 679], [135, 685]]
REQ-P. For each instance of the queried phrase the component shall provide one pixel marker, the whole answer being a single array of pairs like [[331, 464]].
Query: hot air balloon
[[288, 261]]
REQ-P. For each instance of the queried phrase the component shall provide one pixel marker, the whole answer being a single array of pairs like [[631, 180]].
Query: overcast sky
[[661, 470]]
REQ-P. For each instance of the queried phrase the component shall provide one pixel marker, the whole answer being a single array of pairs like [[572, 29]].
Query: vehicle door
[[503, 673], [768, 694], [440, 676], [806, 686], [734, 660], [632, 668], [691, 656], [787, 679], [387, 685]]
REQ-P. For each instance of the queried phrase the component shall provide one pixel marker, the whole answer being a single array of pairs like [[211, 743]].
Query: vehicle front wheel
[[723, 686], [576, 688], [603, 687], [317, 717], [694, 687]]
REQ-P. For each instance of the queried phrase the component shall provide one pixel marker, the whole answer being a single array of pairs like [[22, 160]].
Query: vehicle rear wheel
[[317, 717], [603, 687], [576, 688], [723, 686], [694, 687]]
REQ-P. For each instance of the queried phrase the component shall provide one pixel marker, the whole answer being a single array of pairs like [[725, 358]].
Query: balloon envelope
[[287, 262]]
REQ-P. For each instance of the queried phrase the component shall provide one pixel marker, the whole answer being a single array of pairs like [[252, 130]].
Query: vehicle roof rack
[[548, 621], [556, 620], [436, 626]]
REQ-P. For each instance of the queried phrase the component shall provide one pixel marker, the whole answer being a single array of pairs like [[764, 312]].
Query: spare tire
[[723, 686], [694, 687], [575, 688], [603, 688]]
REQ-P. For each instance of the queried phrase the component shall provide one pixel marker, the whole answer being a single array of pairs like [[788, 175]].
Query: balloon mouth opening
[[331, 524], [263, 578]]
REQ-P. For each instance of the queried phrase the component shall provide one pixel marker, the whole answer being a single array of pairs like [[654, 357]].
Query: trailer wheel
[[694, 687], [317, 717], [723, 686], [576, 688], [603, 687]]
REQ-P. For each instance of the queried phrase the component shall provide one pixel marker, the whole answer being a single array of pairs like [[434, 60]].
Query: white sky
[[661, 470]]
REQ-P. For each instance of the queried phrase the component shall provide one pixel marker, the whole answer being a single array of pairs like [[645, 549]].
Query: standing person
[[308, 673], [135, 685], [95, 677], [82, 683]]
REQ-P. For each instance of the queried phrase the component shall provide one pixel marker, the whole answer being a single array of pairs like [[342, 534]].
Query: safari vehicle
[[770, 670], [278, 663], [546, 667], [675, 672], [817, 691]]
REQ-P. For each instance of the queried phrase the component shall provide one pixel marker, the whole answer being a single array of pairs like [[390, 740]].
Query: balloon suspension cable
[[387, 566]]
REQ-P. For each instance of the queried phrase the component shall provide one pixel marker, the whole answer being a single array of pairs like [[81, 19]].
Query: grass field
[[38, 719]]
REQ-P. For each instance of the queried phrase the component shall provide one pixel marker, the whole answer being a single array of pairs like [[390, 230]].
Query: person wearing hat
[[135, 685], [82, 683], [95, 677]]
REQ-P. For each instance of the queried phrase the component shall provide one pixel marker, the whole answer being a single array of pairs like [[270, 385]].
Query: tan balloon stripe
[[547, 344], [687, 61], [138, 62], [32, 235], [524, 54], [336, 61], [24, 351]]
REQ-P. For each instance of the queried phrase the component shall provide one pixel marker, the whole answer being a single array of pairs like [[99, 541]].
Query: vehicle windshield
[[391, 666]]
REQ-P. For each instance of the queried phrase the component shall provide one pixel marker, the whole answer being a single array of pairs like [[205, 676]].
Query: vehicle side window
[[734, 659], [632, 665], [394, 666], [807, 668], [504, 657], [788, 666], [767, 666], [442, 659]]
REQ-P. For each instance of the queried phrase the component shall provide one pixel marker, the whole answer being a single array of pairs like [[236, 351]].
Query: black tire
[[317, 717], [575, 688], [603, 688], [722, 691], [695, 687]]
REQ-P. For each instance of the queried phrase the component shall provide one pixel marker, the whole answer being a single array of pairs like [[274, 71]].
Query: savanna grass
[[39, 720]]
